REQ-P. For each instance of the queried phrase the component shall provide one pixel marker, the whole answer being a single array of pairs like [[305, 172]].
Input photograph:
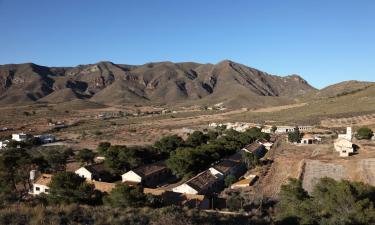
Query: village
[[241, 171]]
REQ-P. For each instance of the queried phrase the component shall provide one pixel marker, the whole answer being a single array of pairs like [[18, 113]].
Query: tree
[[56, 160], [116, 159], [330, 202], [212, 135], [234, 202], [169, 143], [250, 160], [123, 196], [103, 147], [295, 136], [15, 165], [364, 133], [86, 156], [196, 139], [273, 129], [229, 180], [182, 162], [68, 188]]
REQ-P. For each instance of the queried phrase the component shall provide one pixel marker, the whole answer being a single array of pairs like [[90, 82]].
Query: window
[[37, 188], [46, 190]]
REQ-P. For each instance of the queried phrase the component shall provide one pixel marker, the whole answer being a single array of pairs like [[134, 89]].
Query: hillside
[[339, 89], [153, 83]]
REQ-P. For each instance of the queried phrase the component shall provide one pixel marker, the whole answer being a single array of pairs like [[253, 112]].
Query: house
[[343, 144], [348, 136], [232, 165], [94, 172], [40, 185], [174, 198], [344, 147], [255, 148], [203, 183], [286, 129], [20, 137], [3, 144], [247, 182], [309, 139], [267, 144], [46, 138], [149, 175]]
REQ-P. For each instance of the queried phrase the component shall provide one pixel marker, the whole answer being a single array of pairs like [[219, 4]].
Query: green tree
[[331, 202], [169, 143], [212, 135], [86, 156], [364, 133], [182, 162], [15, 165], [56, 159], [235, 202], [123, 196], [103, 147], [295, 136], [68, 188], [250, 160], [196, 139], [116, 159], [229, 180], [273, 129]]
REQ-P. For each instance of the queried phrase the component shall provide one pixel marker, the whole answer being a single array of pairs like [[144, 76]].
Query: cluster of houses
[[285, 129], [153, 178], [237, 126], [21, 137]]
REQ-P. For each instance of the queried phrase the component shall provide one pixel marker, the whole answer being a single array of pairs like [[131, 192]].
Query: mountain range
[[108, 83]]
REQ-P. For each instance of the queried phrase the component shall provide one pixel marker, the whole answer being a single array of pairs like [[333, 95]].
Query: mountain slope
[[163, 82]]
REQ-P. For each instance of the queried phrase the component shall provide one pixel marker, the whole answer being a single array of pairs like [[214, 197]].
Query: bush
[[364, 133], [327, 203], [229, 180]]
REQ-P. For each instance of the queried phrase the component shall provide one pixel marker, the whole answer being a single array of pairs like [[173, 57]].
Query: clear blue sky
[[325, 41]]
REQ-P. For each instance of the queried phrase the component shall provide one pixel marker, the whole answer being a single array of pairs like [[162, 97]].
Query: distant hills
[[234, 84]]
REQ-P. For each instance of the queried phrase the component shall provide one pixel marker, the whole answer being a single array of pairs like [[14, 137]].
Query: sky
[[324, 41]]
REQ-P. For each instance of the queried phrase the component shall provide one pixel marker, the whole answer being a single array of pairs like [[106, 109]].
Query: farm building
[[255, 148], [343, 144], [94, 172], [309, 139], [40, 185], [20, 137], [203, 183], [247, 182], [231, 165], [149, 175]]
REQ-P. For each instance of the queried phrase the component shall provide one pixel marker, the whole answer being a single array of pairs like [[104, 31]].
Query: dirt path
[[279, 108]]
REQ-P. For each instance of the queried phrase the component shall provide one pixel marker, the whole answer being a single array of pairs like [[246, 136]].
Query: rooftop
[[202, 180], [252, 147], [95, 168], [43, 179], [150, 169]]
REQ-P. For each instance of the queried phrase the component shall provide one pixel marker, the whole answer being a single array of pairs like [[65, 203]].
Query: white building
[[348, 136], [286, 129], [40, 185], [19, 137], [93, 172], [344, 143], [309, 139], [150, 175], [203, 183], [3, 144]]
